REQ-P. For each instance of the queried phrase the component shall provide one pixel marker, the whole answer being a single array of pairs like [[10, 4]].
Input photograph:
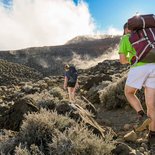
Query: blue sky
[[115, 12], [29, 23], [6, 3]]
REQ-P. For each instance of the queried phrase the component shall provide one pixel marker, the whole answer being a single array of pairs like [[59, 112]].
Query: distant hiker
[[71, 81], [141, 74]]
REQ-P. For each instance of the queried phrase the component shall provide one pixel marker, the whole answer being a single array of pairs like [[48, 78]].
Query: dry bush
[[61, 144], [57, 92], [34, 150], [38, 129], [7, 146], [64, 107], [48, 133], [21, 151], [7, 138], [49, 104], [113, 95], [80, 141]]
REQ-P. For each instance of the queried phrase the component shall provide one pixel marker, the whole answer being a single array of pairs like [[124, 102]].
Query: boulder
[[13, 117]]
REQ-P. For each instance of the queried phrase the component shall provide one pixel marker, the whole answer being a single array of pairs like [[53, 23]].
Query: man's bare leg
[[150, 103], [70, 93], [130, 94]]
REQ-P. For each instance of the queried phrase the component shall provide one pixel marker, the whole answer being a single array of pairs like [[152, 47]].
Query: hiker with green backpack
[[142, 71], [71, 81]]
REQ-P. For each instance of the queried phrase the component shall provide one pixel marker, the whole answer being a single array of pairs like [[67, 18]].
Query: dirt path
[[116, 118]]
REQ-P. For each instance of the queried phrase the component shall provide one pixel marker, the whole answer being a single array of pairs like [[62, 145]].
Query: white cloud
[[87, 61], [43, 23], [114, 31]]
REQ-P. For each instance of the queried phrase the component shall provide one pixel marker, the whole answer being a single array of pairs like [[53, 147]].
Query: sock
[[141, 113]]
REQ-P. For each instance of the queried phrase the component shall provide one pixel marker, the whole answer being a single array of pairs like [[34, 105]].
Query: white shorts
[[142, 76]]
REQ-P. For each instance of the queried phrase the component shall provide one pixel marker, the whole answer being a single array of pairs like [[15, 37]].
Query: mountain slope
[[50, 60]]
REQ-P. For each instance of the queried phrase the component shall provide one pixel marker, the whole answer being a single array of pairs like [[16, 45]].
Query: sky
[[114, 13], [35, 23]]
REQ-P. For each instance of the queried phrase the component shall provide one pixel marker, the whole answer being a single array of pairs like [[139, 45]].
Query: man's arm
[[123, 59]]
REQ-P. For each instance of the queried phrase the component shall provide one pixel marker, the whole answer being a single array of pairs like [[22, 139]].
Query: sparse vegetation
[[61, 128], [46, 132], [57, 92], [113, 95], [81, 141], [21, 151], [13, 73], [47, 103]]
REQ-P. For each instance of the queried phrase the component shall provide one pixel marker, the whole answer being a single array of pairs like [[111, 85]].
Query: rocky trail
[[25, 113]]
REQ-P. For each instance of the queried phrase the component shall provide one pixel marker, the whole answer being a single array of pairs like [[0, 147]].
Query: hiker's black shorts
[[70, 84]]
